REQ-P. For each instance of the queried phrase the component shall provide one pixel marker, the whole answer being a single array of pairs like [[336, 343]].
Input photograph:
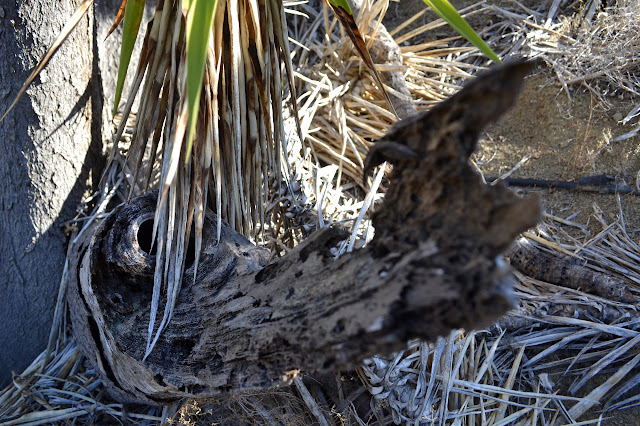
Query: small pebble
[[617, 116], [2, 15]]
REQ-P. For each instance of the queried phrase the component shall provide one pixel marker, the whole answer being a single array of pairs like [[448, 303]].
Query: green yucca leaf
[[199, 20], [341, 3], [449, 14], [132, 16]]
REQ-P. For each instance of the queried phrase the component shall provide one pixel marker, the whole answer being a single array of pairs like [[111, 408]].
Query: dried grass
[[536, 366], [596, 48]]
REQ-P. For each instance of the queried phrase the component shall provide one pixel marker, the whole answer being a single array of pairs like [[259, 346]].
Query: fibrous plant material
[[434, 265], [597, 47], [341, 109], [235, 153]]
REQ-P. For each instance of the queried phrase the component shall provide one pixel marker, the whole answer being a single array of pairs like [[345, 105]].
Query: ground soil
[[567, 136], [566, 140]]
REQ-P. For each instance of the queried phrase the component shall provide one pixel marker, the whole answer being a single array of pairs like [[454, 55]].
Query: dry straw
[[597, 47], [537, 366]]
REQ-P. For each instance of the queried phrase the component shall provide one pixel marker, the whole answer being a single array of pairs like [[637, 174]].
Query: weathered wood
[[567, 271], [434, 265]]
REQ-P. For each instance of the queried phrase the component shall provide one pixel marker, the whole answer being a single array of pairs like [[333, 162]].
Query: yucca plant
[[211, 109], [209, 129], [210, 122]]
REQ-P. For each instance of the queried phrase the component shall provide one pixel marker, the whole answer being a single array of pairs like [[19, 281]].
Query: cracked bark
[[246, 324], [45, 161]]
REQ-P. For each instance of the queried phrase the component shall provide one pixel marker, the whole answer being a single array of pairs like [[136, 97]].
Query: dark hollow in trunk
[[245, 324]]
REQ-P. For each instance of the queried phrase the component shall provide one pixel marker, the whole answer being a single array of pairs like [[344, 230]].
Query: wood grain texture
[[246, 324], [567, 271]]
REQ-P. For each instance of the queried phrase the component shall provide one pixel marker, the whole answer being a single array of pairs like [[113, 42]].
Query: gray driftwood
[[246, 324], [566, 271]]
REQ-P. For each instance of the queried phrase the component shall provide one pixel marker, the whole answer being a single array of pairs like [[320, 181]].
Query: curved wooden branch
[[434, 265]]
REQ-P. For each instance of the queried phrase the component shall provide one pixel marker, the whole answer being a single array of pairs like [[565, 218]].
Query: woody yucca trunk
[[226, 154]]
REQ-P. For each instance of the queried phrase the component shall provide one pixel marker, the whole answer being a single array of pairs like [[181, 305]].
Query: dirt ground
[[565, 136], [568, 140], [565, 141]]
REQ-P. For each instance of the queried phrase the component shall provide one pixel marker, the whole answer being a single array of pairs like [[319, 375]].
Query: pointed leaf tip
[[342, 11], [447, 12], [118, 19], [64, 33]]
